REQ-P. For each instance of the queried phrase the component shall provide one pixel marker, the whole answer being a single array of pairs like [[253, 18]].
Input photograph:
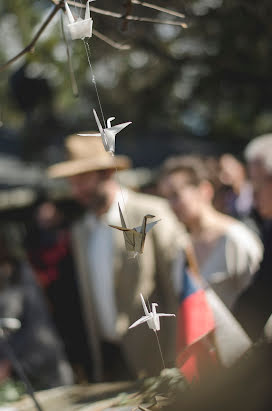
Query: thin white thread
[[159, 345], [122, 194], [88, 52], [138, 262]]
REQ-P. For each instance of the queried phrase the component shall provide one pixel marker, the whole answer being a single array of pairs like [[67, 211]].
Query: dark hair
[[194, 166]]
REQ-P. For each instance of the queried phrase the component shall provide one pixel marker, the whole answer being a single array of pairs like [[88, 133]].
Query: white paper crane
[[135, 237], [152, 318], [108, 134], [79, 28]]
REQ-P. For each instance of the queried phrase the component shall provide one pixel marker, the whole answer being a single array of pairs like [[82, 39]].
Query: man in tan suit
[[109, 281]]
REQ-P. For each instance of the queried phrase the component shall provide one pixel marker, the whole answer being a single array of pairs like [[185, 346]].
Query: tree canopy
[[209, 83]]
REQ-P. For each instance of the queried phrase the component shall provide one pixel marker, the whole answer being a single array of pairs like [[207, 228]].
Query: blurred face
[[262, 186], [184, 198], [93, 189], [232, 171]]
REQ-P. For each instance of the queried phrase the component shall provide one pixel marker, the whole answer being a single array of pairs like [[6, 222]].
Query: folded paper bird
[[80, 28], [108, 134], [135, 237], [152, 318]]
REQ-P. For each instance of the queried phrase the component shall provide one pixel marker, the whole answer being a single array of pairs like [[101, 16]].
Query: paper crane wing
[[100, 128], [122, 217], [128, 236], [165, 315], [141, 320], [149, 226], [118, 127], [138, 229], [69, 13], [129, 240], [120, 228], [89, 135], [144, 305], [79, 28]]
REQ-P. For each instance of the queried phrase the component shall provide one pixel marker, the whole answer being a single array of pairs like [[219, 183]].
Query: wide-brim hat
[[84, 154]]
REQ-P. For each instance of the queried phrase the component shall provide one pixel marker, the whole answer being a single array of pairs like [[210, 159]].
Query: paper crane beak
[[149, 216]]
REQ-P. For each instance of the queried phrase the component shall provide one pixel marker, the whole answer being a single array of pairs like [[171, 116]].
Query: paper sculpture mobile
[[79, 28], [108, 134], [152, 318], [135, 237]]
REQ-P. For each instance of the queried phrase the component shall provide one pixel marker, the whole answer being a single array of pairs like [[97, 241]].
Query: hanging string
[[70, 63], [88, 52], [159, 345]]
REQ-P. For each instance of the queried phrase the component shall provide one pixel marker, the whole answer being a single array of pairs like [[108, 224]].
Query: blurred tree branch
[[59, 4], [30, 47], [111, 42], [155, 7], [129, 17]]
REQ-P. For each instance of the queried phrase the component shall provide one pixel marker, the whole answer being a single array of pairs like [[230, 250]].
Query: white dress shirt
[[101, 257]]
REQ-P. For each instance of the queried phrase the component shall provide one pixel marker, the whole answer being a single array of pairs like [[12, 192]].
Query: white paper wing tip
[[69, 13], [144, 305], [149, 226], [90, 135], [141, 320], [119, 127], [166, 315], [99, 125], [132, 326]]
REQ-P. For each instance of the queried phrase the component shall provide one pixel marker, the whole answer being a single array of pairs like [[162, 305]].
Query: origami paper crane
[[152, 318], [108, 134], [79, 28], [135, 237]]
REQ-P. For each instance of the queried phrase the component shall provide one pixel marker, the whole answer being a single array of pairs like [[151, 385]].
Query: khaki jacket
[[150, 274]]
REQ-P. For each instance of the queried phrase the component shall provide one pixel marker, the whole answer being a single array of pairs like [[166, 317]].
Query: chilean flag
[[195, 326]]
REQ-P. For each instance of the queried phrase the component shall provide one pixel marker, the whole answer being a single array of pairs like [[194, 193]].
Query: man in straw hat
[[109, 281]]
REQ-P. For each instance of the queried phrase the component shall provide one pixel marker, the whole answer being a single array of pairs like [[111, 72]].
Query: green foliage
[[10, 391], [211, 80]]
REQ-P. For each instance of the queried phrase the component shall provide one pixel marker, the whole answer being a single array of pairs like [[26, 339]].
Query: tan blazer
[[150, 274]]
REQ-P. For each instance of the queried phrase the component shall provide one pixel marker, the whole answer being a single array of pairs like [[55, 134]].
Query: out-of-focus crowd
[[76, 290]]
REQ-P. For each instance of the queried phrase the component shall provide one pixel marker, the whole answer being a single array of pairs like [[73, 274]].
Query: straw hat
[[86, 153]]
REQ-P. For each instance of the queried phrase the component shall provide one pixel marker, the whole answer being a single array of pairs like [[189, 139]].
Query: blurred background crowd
[[198, 99]]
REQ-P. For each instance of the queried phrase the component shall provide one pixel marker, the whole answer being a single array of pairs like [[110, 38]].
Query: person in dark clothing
[[254, 306], [35, 344], [48, 246]]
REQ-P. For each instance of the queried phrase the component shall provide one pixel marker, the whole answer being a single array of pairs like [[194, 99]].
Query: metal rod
[[19, 370]]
